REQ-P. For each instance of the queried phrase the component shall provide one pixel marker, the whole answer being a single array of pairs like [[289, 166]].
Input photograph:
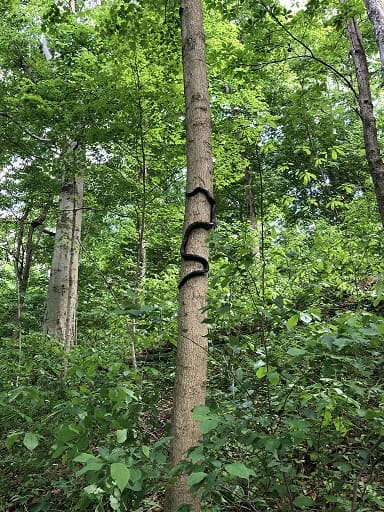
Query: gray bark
[[372, 149], [375, 9], [61, 313]]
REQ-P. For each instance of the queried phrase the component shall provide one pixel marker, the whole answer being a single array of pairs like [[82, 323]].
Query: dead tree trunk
[[372, 149], [191, 363]]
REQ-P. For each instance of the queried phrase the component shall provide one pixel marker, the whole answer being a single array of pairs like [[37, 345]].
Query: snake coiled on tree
[[197, 225]]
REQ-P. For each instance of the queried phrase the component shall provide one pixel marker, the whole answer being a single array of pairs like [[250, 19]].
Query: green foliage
[[295, 417]]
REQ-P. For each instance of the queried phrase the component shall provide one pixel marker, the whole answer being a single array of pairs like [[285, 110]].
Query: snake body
[[197, 225]]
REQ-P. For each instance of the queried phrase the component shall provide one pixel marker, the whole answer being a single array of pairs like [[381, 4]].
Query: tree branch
[[312, 55], [26, 130]]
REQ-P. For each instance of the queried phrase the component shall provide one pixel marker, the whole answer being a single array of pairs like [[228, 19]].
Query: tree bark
[[372, 149], [26, 270], [375, 9], [191, 360], [251, 210], [61, 313]]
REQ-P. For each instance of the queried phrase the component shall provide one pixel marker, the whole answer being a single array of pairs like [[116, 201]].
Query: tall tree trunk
[[191, 362], [375, 9], [372, 149], [61, 314]]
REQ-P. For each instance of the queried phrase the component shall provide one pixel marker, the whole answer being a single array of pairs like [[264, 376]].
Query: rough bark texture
[[372, 149], [60, 321], [191, 362], [375, 9]]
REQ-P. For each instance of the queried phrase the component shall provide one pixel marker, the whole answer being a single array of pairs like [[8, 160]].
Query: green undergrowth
[[295, 410]]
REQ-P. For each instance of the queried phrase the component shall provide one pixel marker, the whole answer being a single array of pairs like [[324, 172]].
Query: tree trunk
[[61, 314], [251, 210], [375, 9], [26, 270], [191, 361], [372, 149]]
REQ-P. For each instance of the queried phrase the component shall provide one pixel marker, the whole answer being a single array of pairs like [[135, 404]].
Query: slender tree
[[251, 209], [191, 364], [372, 148], [375, 9]]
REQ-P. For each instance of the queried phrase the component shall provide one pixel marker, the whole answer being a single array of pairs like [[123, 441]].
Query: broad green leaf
[[90, 466], [121, 435], [12, 438], [135, 475], [145, 450], [303, 501], [261, 372], [196, 478], [201, 412], [84, 457], [195, 455], [239, 470], [208, 424], [120, 474], [292, 322], [31, 441], [344, 467], [273, 377]]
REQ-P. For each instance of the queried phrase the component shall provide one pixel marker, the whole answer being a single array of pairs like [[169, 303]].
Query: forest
[[191, 255]]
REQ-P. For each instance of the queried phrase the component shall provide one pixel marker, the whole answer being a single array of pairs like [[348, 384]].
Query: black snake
[[197, 225]]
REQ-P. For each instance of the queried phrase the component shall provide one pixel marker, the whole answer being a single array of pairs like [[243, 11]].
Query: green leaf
[[261, 372], [303, 501], [273, 377], [121, 435], [145, 450], [11, 439], [30, 441], [292, 322], [296, 352], [120, 474], [84, 457], [196, 478], [208, 424], [90, 466], [196, 454], [344, 467], [135, 475], [239, 470], [201, 412]]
